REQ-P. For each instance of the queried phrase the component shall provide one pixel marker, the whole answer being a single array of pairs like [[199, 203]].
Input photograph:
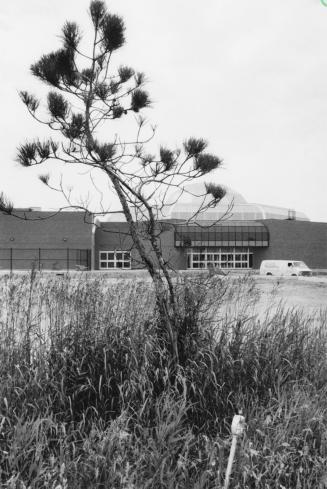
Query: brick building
[[45, 240], [250, 234], [231, 244], [233, 235]]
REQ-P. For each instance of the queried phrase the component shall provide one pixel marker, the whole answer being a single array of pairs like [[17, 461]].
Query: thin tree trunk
[[159, 286]]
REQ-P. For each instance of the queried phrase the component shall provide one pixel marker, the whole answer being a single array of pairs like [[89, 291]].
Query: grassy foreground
[[87, 399]]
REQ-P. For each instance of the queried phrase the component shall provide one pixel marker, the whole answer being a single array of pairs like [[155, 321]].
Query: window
[[299, 264], [115, 259], [217, 257], [222, 235]]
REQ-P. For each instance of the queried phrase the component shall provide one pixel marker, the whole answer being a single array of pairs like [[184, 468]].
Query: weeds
[[87, 400]]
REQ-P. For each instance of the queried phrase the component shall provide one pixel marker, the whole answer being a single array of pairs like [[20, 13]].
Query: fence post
[[67, 259], [10, 261], [39, 259]]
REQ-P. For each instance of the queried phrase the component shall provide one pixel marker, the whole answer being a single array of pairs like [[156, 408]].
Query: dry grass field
[[88, 398], [306, 293]]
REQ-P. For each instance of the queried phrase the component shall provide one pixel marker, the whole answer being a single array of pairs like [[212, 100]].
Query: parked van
[[290, 268]]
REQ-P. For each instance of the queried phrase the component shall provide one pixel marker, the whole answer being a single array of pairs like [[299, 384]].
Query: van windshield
[[299, 264]]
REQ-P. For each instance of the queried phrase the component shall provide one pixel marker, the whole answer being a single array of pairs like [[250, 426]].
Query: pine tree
[[80, 100]]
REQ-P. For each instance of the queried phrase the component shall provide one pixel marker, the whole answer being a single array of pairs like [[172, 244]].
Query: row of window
[[196, 258], [219, 228], [217, 258], [229, 235], [114, 259]]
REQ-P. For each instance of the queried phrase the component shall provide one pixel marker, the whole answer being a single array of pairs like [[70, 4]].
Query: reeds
[[87, 398]]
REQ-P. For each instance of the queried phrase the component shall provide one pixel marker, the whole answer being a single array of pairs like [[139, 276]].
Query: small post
[[238, 424], [67, 259], [10, 261], [39, 259]]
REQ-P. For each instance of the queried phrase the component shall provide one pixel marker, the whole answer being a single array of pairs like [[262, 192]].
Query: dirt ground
[[307, 295], [303, 292]]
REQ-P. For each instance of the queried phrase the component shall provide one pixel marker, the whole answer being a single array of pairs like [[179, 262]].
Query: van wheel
[[269, 273]]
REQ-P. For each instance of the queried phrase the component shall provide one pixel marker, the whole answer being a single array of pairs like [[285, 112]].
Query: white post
[[237, 430], [94, 225]]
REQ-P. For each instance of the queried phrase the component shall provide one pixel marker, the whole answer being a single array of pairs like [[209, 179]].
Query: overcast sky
[[250, 77]]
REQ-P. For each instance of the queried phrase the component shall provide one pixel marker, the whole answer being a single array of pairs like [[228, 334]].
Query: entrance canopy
[[228, 233]]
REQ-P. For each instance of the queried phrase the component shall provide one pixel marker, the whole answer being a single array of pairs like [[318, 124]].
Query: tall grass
[[87, 399]]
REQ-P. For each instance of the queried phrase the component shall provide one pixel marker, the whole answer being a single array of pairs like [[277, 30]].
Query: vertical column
[[94, 225]]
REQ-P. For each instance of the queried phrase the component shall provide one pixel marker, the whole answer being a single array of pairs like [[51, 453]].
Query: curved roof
[[232, 207]]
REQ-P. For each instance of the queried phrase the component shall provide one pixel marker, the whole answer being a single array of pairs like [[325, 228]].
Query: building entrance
[[231, 258]]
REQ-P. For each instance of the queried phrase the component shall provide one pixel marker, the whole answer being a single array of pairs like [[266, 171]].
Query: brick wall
[[298, 240], [41, 230], [295, 240], [115, 236]]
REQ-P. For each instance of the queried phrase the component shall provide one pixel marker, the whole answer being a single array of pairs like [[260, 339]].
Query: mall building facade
[[235, 235]]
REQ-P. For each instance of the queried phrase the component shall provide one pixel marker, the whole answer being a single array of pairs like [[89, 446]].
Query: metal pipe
[[238, 425]]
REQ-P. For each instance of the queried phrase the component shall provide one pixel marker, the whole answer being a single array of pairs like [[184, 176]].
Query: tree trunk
[[162, 297]]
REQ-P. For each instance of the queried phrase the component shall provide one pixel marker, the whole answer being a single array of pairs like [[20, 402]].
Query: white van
[[286, 268]]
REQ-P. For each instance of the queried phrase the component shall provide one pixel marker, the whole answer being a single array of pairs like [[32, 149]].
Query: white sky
[[250, 77]]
